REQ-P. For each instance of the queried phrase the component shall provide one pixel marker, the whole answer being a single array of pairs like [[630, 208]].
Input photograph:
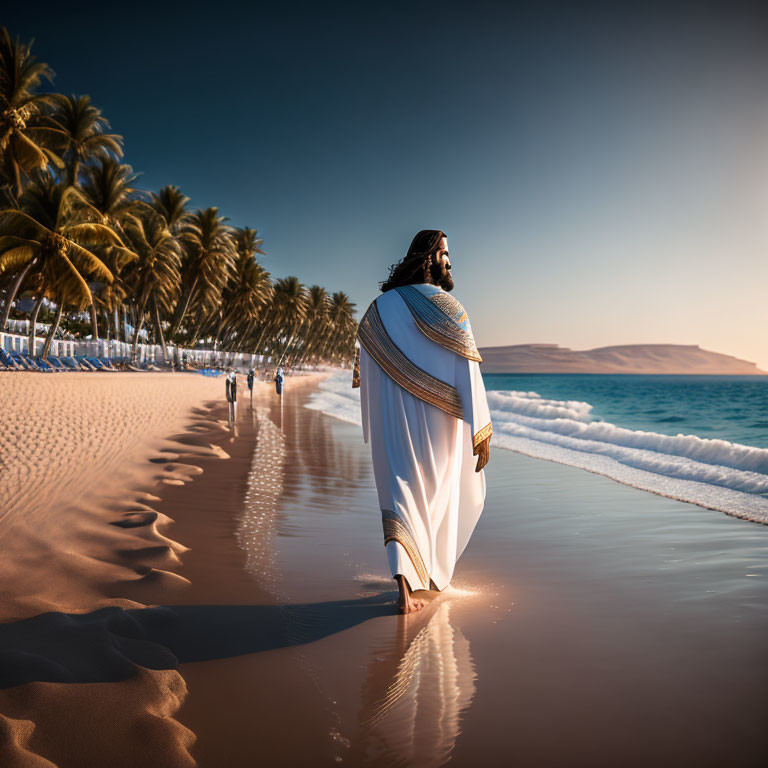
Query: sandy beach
[[589, 623]]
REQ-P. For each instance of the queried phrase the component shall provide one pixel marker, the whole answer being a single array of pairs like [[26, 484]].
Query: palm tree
[[24, 142], [171, 203], [317, 322], [247, 293], [208, 260], [340, 339], [154, 278], [65, 291], [82, 128], [108, 186], [290, 309], [55, 230]]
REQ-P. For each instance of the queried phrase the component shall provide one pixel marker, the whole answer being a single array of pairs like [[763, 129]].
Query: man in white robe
[[425, 414]]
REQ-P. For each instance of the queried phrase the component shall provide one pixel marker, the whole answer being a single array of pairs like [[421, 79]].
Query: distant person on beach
[[231, 389], [426, 416], [279, 381], [249, 379]]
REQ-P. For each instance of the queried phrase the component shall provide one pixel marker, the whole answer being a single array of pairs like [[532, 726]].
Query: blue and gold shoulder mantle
[[441, 318]]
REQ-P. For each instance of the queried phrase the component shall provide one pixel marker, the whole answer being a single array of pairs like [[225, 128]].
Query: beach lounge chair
[[96, 363], [44, 365], [107, 363], [56, 363], [71, 363], [16, 357], [84, 364], [9, 363], [25, 360], [18, 361]]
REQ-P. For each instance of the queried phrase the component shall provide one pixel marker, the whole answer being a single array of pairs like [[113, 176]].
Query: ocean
[[699, 439]]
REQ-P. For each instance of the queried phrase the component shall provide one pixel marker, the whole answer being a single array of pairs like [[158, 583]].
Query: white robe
[[422, 456]]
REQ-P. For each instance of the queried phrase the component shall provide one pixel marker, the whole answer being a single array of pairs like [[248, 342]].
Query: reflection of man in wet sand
[[416, 692], [425, 413]]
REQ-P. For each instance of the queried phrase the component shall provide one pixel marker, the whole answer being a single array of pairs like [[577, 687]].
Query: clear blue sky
[[601, 168]]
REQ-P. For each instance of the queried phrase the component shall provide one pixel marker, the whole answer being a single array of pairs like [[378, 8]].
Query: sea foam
[[715, 474]]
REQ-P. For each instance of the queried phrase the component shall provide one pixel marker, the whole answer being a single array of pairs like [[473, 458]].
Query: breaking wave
[[716, 474]]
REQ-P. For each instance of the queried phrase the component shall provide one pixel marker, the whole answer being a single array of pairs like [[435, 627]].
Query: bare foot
[[406, 603]]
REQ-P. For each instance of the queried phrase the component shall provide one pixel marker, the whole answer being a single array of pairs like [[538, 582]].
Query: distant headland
[[627, 358]]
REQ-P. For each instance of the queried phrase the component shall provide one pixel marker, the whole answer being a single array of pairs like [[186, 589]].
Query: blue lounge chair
[[56, 363], [44, 365], [96, 363], [8, 362], [71, 363], [84, 363], [19, 361], [25, 360], [107, 363]]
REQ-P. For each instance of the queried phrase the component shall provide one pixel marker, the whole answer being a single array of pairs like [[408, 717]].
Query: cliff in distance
[[629, 358]]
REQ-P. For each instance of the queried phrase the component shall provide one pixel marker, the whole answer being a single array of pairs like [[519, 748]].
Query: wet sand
[[589, 624]]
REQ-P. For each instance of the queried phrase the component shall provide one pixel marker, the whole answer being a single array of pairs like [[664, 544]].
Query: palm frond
[[89, 262], [78, 278], [92, 234], [14, 259]]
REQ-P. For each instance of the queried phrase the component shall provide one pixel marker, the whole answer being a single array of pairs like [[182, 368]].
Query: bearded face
[[440, 268]]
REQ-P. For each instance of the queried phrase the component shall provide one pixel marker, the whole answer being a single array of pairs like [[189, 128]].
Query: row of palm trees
[[76, 235]]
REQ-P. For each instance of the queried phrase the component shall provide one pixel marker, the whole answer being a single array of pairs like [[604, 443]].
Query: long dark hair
[[415, 267]]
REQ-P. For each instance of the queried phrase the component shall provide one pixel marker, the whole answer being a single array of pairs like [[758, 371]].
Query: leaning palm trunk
[[159, 327], [290, 341], [52, 330], [12, 293], [94, 321], [182, 308], [33, 326], [196, 334], [257, 346], [139, 322]]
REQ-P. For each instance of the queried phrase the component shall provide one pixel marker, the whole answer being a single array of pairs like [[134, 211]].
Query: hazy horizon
[[602, 172]]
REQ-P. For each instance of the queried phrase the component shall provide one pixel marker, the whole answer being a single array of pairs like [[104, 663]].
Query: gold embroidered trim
[[455, 334], [449, 337], [451, 306], [483, 434], [374, 338], [395, 530], [442, 319]]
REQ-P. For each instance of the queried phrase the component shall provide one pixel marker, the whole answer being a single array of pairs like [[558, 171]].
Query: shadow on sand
[[107, 644]]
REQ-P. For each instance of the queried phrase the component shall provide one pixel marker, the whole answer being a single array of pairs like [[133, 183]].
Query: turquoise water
[[733, 408]]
